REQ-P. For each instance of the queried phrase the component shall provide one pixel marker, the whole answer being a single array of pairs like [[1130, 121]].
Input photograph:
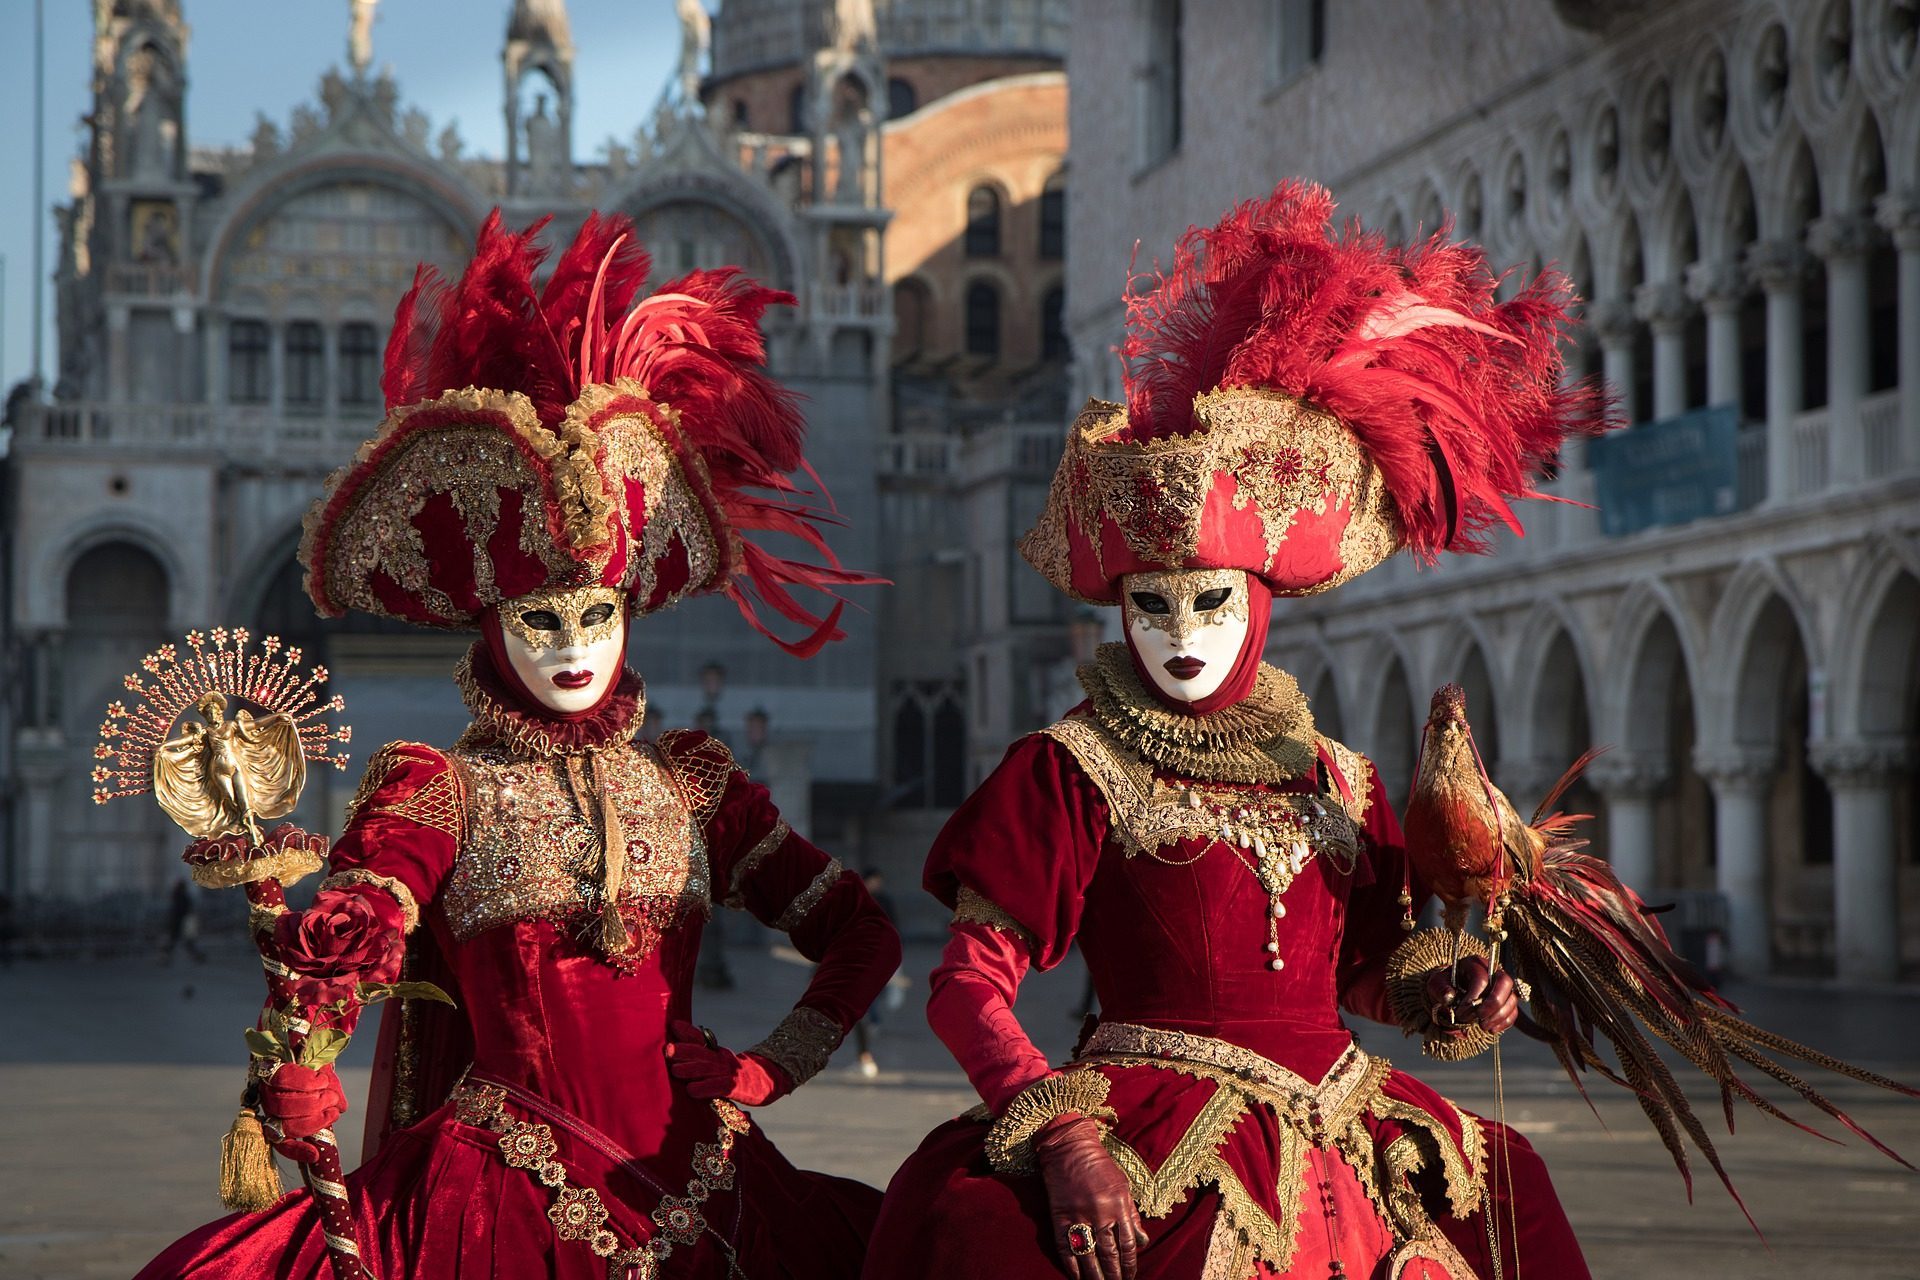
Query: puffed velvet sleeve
[[1013, 863], [1374, 910], [404, 828], [1020, 852], [760, 865]]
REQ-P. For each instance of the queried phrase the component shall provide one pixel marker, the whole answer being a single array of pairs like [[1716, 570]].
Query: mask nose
[[570, 652]]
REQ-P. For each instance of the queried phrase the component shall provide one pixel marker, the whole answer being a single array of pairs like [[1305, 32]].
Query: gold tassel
[[614, 938], [249, 1180]]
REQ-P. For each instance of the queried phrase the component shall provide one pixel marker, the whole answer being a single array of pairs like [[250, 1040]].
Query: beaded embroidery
[[531, 853]]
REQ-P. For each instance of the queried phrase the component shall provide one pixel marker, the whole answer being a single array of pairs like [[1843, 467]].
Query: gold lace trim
[[494, 723], [702, 766], [1358, 772], [808, 898], [1328, 1116], [1265, 737], [970, 907], [409, 909], [744, 869], [802, 1044], [1147, 813], [578, 1213], [1009, 1143]]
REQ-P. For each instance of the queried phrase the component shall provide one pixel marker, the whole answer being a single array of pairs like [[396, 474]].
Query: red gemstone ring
[[1080, 1238]]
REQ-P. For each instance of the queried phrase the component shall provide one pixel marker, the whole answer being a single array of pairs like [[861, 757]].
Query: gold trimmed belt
[[1346, 1089]]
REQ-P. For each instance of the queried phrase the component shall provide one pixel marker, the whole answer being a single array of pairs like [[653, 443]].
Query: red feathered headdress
[[1304, 401], [569, 436]]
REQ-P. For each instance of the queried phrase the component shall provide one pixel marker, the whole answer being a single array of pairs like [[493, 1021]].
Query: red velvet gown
[[1234, 1144], [488, 840]]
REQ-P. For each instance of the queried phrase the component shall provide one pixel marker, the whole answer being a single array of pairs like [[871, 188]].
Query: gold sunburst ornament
[[219, 777]]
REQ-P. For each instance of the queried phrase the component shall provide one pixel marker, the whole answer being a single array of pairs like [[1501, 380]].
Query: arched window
[[910, 317], [306, 367], [1053, 219], [1053, 332], [983, 319], [901, 98], [359, 365], [249, 365], [797, 114], [983, 223]]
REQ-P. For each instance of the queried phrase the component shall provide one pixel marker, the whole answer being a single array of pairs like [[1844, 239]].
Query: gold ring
[[1080, 1239]]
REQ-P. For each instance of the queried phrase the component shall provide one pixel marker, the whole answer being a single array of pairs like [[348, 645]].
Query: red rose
[[342, 935]]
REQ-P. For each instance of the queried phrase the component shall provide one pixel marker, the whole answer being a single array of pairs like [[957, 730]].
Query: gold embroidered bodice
[[530, 850]]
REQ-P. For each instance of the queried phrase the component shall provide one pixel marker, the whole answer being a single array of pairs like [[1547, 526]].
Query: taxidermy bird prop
[[1591, 952]]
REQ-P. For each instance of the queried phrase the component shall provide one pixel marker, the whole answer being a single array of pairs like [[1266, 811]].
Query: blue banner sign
[[1670, 471]]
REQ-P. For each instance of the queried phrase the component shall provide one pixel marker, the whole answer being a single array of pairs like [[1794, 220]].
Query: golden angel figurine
[[216, 778]]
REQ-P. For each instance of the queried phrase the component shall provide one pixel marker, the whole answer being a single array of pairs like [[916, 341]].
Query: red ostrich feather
[[696, 345], [1458, 398]]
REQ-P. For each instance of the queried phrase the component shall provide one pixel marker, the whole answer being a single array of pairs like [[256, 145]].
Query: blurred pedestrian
[[863, 1030], [183, 923]]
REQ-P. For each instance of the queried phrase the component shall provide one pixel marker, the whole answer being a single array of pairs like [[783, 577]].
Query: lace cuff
[[801, 1044], [1406, 979], [970, 907], [1010, 1140], [409, 909]]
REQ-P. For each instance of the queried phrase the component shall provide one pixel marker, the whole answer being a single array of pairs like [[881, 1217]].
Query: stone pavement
[[118, 1076]]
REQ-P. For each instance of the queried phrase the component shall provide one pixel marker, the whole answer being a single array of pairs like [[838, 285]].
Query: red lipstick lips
[[1184, 668], [573, 679]]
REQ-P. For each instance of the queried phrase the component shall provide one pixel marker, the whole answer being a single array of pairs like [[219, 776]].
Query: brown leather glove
[[1481, 998], [1091, 1201]]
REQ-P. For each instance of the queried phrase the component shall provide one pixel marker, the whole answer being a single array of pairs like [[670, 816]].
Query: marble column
[[1664, 306], [1630, 785], [119, 357], [277, 366], [1864, 777], [1778, 266], [1843, 240], [1740, 778], [1720, 287], [1612, 319], [1899, 214]]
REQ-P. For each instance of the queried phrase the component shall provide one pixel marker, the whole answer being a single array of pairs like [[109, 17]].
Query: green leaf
[[266, 1045], [374, 992], [322, 1045]]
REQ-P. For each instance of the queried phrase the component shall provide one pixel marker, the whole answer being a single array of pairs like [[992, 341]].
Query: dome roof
[[753, 35]]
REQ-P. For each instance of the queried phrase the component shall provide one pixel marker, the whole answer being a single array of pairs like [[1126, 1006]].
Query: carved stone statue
[[360, 36], [854, 28], [543, 149], [696, 37]]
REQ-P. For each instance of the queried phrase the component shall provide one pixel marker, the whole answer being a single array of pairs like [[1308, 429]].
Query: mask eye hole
[[1208, 601], [596, 615], [541, 620], [1149, 602]]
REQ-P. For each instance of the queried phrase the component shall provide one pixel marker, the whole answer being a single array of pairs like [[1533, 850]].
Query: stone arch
[[1674, 239], [1536, 674], [1389, 719], [1859, 164], [1874, 686], [1731, 216], [117, 597], [1791, 194], [444, 195], [727, 192], [1752, 588], [57, 561], [1467, 657], [1631, 679]]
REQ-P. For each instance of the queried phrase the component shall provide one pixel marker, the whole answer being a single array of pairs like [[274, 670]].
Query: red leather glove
[[711, 1071], [1481, 998], [301, 1101], [1087, 1190]]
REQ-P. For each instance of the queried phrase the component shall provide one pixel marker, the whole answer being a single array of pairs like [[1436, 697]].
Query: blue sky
[[247, 56]]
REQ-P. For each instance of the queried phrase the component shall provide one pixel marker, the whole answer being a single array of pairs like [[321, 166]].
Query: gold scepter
[[218, 779]]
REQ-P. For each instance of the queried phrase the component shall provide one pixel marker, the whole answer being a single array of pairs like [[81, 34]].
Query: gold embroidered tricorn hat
[[568, 436], [1302, 402]]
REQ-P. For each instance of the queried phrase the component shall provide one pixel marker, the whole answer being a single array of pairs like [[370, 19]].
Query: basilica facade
[[222, 313], [1734, 185]]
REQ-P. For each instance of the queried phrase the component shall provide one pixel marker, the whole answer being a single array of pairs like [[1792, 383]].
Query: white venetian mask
[[1187, 626], [567, 645]]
